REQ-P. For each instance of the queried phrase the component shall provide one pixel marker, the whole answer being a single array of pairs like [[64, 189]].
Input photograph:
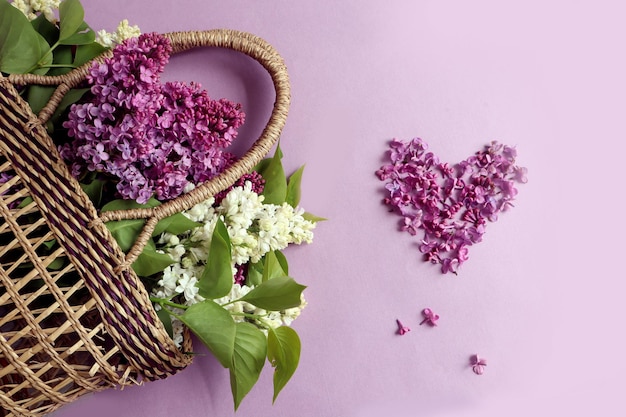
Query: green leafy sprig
[[44, 48], [241, 346]]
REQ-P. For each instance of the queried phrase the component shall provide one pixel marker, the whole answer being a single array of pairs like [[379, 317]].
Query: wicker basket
[[89, 325]]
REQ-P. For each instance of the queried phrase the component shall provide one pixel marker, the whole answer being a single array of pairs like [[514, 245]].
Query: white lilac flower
[[204, 233], [254, 229], [177, 328], [176, 252], [269, 319], [291, 314], [201, 212], [187, 286], [124, 31], [241, 205], [187, 263], [168, 282], [105, 38], [236, 292], [31, 7]]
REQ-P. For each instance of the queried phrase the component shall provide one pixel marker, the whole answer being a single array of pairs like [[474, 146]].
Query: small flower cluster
[[450, 203], [31, 7], [123, 31], [254, 229], [154, 138]]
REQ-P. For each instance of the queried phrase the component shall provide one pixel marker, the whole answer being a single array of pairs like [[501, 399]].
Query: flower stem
[[166, 302], [248, 315], [58, 66], [43, 58], [230, 302]]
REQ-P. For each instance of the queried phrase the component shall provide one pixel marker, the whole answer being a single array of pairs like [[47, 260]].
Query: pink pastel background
[[542, 298]]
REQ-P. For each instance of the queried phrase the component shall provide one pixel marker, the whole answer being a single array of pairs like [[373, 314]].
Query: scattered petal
[[429, 317], [478, 364], [401, 328]]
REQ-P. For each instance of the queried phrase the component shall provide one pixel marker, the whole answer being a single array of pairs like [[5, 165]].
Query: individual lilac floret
[[478, 364], [402, 329], [429, 317], [451, 204], [154, 138]]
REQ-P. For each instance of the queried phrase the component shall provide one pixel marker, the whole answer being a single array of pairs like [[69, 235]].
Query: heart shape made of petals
[[449, 204]]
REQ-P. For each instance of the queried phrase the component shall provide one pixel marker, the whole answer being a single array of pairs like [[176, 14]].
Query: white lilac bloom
[[187, 286], [177, 332], [124, 31], [177, 328], [31, 7], [254, 229], [236, 292], [168, 282]]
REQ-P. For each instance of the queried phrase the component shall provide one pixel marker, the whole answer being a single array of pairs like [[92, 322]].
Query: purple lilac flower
[[240, 275], [154, 138], [451, 204]]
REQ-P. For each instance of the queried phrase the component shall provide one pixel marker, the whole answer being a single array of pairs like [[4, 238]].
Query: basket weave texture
[[90, 325]]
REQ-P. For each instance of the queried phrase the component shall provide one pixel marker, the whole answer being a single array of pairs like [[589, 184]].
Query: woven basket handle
[[269, 58], [246, 43]]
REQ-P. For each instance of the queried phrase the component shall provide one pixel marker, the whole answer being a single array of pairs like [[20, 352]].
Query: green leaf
[[46, 29], [49, 244], [272, 267], [38, 96], [150, 262], [62, 56], [85, 53], [275, 189], [57, 264], [26, 201], [43, 64], [282, 260], [71, 15], [283, 352], [46, 59], [21, 47], [121, 204], [313, 218], [125, 232], [273, 262], [262, 166], [175, 224], [255, 273], [84, 35], [248, 360], [94, 190], [217, 277], [215, 327], [276, 294], [293, 187], [166, 319]]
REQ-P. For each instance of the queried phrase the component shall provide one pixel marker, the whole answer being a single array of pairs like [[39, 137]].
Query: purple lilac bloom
[[154, 138], [450, 204]]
